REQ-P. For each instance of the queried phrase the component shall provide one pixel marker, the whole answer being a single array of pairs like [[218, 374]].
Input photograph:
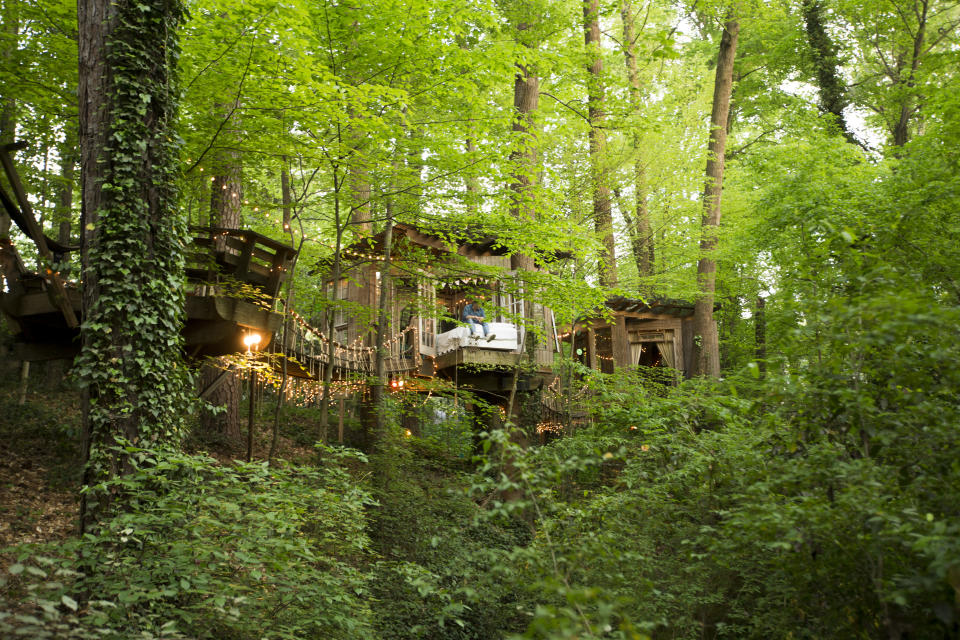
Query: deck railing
[[309, 349], [217, 257]]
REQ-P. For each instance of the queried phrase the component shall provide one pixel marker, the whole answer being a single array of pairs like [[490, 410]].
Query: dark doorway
[[650, 355]]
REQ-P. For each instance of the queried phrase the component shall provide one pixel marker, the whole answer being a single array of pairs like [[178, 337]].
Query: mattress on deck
[[506, 338]]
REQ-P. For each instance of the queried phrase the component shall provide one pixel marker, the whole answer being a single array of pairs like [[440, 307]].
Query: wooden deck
[[476, 356], [233, 278]]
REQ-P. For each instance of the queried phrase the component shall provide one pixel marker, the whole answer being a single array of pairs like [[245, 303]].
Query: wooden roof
[[471, 242], [656, 306]]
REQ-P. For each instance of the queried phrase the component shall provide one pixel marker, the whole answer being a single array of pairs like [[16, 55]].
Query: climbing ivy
[[131, 357]]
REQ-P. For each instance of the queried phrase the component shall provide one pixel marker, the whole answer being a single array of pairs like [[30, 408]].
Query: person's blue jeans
[[476, 326]]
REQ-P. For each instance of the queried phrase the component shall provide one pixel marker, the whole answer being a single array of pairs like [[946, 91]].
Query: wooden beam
[[476, 355], [37, 351], [39, 303], [620, 343], [592, 360], [36, 234]]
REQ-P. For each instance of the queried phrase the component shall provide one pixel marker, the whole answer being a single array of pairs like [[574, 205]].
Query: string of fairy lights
[[354, 357], [309, 348]]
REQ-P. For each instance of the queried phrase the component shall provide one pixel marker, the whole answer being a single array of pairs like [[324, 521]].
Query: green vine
[[131, 359]]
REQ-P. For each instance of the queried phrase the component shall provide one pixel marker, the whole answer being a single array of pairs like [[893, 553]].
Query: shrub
[[203, 550]]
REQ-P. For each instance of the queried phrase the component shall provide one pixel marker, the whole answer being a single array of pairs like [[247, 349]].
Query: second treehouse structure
[[433, 276], [431, 279]]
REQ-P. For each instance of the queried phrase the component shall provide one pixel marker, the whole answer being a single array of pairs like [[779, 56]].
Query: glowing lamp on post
[[251, 340]]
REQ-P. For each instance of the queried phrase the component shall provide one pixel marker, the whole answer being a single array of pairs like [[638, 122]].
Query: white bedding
[[506, 338]]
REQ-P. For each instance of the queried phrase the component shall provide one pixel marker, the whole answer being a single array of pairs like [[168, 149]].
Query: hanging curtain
[[667, 351], [635, 348]]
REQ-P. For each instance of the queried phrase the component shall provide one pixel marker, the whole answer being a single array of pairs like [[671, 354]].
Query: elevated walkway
[[232, 286]]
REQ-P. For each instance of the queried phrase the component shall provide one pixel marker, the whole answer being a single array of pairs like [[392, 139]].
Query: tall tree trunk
[[602, 210], [226, 196], [641, 235], [379, 385], [358, 188], [8, 105], [524, 160], [471, 183], [227, 396], [760, 336], [706, 341], [833, 92], [132, 257], [526, 100], [901, 129], [361, 222], [226, 188], [63, 204], [286, 200], [284, 340], [327, 386]]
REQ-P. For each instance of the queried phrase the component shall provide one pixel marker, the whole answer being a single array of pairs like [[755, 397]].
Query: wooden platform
[[232, 283], [478, 356]]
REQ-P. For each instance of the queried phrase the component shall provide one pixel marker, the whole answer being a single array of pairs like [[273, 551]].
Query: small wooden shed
[[635, 332]]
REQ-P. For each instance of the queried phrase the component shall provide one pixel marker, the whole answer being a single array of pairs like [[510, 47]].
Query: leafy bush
[[208, 551], [821, 504]]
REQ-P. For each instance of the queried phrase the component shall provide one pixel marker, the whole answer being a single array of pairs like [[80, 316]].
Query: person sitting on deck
[[475, 317]]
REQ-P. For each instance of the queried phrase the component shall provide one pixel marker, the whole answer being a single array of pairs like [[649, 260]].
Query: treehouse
[[230, 293], [633, 333], [432, 278], [232, 282]]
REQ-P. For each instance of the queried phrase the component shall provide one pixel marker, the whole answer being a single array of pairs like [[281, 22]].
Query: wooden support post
[[620, 342], [246, 255], [253, 389], [24, 381], [277, 273], [592, 360], [340, 422]]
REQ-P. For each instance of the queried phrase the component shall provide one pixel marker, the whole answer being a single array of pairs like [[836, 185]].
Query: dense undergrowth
[[819, 502]]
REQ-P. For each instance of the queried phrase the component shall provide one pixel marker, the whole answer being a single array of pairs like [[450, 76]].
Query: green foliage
[[438, 576], [821, 503], [208, 551]]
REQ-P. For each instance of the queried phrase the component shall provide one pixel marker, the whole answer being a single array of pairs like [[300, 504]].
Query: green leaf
[[68, 602]]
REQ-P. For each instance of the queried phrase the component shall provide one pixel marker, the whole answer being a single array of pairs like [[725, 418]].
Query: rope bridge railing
[[309, 348]]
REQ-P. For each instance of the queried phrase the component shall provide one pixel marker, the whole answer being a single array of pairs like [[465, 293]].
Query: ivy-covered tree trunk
[[132, 238], [833, 91], [706, 342]]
